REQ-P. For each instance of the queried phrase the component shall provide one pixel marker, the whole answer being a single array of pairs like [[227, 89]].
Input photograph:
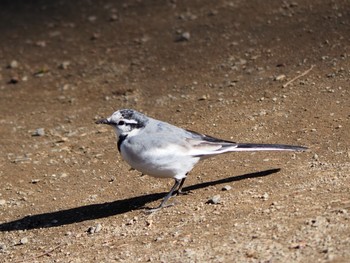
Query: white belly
[[167, 163]]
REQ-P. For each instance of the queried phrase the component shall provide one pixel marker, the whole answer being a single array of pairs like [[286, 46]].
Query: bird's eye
[[121, 122]]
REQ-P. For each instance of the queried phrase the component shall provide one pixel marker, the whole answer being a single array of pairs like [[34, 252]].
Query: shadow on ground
[[95, 211]]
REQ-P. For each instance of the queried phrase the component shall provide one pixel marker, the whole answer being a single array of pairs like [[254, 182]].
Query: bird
[[163, 150]]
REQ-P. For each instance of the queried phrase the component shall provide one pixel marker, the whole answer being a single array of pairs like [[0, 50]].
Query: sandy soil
[[218, 67]]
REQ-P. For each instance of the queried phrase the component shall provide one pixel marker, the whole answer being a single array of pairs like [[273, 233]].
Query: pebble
[[226, 188], [94, 229], [40, 43], [265, 196], [2, 201], [24, 240], [63, 175], [64, 65], [95, 36], [98, 228], [214, 200], [13, 64], [22, 159], [35, 181], [149, 223], [14, 80], [113, 17], [204, 97], [39, 132], [92, 19], [91, 230], [280, 77], [185, 36]]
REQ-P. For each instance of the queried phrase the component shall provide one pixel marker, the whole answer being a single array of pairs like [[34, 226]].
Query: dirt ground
[[248, 71]]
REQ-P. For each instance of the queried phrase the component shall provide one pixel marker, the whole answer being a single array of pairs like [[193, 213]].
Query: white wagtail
[[159, 149]]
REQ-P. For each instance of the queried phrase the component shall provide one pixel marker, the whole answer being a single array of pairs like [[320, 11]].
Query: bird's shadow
[[95, 211]]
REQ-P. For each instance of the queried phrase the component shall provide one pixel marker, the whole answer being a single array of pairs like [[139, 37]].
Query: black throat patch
[[120, 140]]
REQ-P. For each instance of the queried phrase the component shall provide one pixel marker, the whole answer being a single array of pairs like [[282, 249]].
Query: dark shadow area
[[231, 179], [95, 211]]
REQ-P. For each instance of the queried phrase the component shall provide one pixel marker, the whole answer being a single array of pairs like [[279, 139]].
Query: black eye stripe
[[131, 124]]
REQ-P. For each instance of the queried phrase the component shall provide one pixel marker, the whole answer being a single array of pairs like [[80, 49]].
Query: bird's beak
[[103, 121]]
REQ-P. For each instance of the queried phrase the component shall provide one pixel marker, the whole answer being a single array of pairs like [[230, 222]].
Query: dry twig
[[299, 76]]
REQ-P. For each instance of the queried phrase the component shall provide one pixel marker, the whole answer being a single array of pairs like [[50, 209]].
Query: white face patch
[[125, 125], [116, 116]]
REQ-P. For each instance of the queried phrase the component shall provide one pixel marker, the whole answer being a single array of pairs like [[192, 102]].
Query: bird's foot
[[181, 192], [149, 211]]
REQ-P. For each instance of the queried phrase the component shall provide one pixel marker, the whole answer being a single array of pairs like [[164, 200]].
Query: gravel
[[94, 229], [13, 64], [185, 36], [24, 240], [39, 132], [226, 188], [216, 199]]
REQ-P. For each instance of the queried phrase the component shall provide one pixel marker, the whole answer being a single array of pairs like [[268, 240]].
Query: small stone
[[149, 223], [113, 17], [2, 201], [213, 13], [14, 80], [40, 43], [298, 245], [24, 240], [98, 228], [279, 77], [251, 253], [226, 188], [185, 36], [265, 196], [65, 87], [22, 159], [204, 97], [94, 229], [91, 230], [214, 200], [39, 132], [64, 65], [2, 247], [95, 36], [35, 181], [13, 64], [63, 175], [92, 18]]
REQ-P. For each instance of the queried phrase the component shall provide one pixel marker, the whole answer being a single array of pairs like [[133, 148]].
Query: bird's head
[[125, 122]]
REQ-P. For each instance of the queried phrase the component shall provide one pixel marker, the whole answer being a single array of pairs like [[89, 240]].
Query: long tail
[[266, 147], [205, 146]]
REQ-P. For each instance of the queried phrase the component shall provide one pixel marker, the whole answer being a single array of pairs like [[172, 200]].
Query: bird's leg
[[167, 197], [179, 190]]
